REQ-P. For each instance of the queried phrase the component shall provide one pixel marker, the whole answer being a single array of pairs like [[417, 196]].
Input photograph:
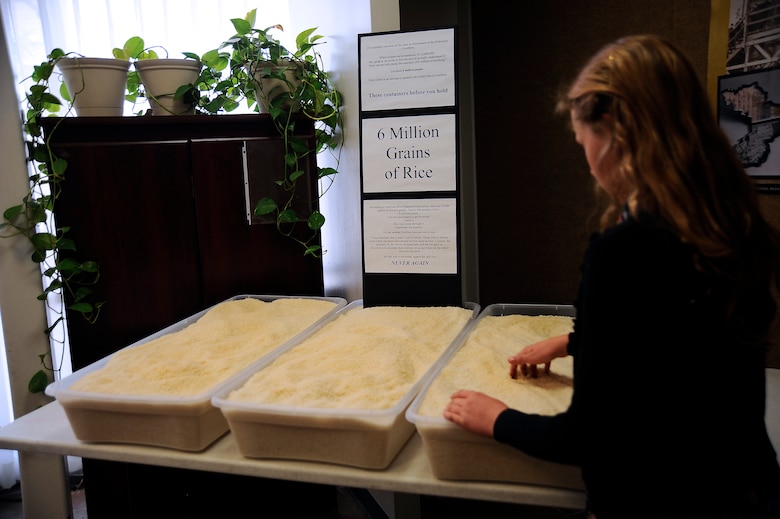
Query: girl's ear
[[606, 124]]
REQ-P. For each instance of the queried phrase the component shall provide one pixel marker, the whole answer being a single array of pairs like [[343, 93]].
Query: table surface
[[47, 430]]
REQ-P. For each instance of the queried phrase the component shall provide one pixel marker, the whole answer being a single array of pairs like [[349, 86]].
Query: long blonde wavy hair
[[676, 164]]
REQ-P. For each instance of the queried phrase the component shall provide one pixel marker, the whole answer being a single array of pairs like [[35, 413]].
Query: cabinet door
[[238, 257], [130, 207]]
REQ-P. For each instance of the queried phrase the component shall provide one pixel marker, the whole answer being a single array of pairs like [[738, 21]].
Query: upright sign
[[407, 70], [409, 154], [409, 168]]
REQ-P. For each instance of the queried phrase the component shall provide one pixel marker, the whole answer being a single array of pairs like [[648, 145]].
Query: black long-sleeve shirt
[[667, 413]]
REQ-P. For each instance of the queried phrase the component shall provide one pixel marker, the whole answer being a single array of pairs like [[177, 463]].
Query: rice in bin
[[226, 339], [367, 358], [158, 391], [481, 365], [339, 395]]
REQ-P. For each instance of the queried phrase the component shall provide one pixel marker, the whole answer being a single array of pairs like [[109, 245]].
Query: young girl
[[674, 311]]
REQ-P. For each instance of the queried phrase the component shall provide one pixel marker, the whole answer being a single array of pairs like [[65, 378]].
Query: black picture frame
[[749, 114]]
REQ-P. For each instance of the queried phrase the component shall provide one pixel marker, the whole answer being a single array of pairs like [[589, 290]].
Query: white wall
[[340, 21]]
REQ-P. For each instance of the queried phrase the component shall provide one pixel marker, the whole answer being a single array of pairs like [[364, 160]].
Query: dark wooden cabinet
[[160, 203]]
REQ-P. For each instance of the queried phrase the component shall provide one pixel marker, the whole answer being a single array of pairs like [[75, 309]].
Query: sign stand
[[409, 168]]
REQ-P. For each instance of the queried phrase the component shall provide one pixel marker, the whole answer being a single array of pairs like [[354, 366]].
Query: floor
[[11, 501]]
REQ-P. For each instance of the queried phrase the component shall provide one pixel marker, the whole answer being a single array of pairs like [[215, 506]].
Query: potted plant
[[287, 84], [162, 79], [173, 86], [95, 85]]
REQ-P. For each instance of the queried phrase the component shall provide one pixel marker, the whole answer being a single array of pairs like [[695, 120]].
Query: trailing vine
[[299, 85], [32, 219]]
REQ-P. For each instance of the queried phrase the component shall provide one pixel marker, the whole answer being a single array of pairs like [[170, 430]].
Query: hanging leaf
[[264, 206], [12, 212], [132, 49], [89, 266], [38, 382], [287, 216], [316, 221], [83, 308], [59, 166], [312, 250], [325, 172], [43, 241]]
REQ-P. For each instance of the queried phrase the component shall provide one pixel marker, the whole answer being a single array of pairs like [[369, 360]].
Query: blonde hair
[[674, 161]]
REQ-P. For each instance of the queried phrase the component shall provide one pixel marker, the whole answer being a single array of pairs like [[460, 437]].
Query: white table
[[47, 430]]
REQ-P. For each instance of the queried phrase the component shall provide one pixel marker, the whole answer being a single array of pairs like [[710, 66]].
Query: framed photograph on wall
[[749, 113]]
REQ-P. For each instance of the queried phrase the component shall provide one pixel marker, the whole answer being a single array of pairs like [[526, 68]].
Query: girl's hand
[[542, 352], [474, 411]]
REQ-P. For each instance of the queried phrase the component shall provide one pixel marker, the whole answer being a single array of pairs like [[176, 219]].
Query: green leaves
[[325, 172], [38, 382], [65, 276], [214, 59], [132, 47], [301, 85], [265, 205], [42, 72], [243, 26], [315, 221], [42, 242], [133, 86], [12, 213], [305, 41], [286, 216]]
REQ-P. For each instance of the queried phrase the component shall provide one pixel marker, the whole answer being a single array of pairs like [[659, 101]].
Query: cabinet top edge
[[179, 127]]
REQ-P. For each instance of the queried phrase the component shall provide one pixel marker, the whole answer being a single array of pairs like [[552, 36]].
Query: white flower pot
[[162, 77], [269, 88], [96, 85]]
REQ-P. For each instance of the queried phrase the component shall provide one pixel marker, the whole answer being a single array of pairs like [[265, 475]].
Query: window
[[94, 27]]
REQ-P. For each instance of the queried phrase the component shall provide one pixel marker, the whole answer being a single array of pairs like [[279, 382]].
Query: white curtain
[[93, 28], [9, 463]]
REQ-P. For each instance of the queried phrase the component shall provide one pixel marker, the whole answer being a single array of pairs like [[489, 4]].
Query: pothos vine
[[64, 278]]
